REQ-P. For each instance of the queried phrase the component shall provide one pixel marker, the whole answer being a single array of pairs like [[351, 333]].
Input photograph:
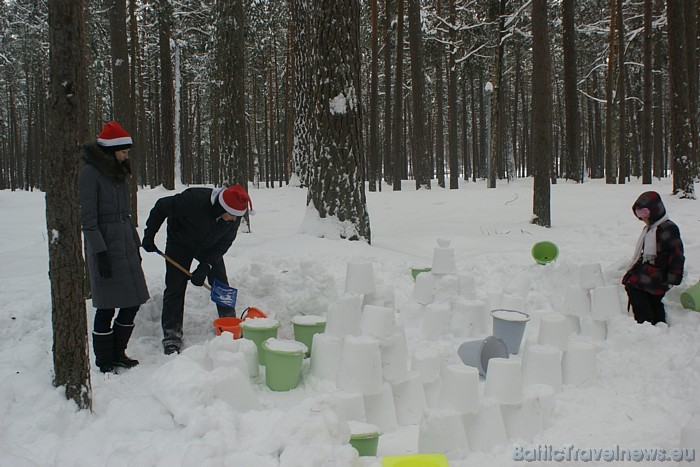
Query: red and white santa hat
[[114, 137], [236, 201]]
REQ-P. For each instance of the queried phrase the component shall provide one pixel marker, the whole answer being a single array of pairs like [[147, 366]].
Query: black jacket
[[194, 222]]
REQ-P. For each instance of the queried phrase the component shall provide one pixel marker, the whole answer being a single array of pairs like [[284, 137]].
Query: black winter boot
[[122, 334], [103, 345]]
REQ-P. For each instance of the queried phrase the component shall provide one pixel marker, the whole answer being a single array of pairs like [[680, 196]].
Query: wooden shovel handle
[[177, 265]]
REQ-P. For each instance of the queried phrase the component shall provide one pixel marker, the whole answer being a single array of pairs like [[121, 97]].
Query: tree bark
[[67, 128], [541, 114]]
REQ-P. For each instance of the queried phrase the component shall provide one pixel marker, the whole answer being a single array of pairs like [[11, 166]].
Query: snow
[[209, 406]]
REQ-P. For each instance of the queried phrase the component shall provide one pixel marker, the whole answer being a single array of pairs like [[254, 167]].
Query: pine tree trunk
[[67, 129], [682, 151], [167, 101], [541, 113], [419, 116], [336, 191], [573, 141]]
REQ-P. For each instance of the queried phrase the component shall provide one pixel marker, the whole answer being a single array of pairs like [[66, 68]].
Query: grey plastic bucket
[[478, 353], [509, 326]]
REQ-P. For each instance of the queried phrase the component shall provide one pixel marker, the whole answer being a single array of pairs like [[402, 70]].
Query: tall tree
[[397, 142], [67, 129], [541, 114], [497, 10], [573, 158], [453, 79], [610, 96], [230, 63], [374, 101], [647, 135], [415, 39], [388, 131], [336, 193], [304, 51], [167, 97], [121, 81], [682, 150]]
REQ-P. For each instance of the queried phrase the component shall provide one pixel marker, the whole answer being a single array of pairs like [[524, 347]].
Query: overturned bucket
[[509, 326], [690, 299], [478, 353], [230, 324], [544, 252]]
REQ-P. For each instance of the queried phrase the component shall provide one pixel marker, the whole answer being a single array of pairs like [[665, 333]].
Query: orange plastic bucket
[[232, 325], [252, 312]]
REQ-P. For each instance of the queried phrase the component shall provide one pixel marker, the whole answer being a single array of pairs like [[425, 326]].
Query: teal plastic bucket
[[283, 360], [478, 353], [690, 299], [259, 330], [305, 327], [544, 252], [364, 438]]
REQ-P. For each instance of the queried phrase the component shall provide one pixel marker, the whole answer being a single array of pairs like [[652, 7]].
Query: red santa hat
[[236, 201], [114, 137]]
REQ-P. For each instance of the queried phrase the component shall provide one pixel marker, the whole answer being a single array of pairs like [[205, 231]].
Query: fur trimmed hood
[[105, 162]]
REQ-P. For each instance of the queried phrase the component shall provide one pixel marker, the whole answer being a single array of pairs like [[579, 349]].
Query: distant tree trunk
[[516, 98], [495, 154], [230, 63], [304, 123], [439, 112], [337, 188], [573, 130], [374, 102], [398, 123], [541, 113], [166, 92], [67, 112], [623, 157], [682, 151], [610, 108], [289, 111], [388, 128], [648, 96], [415, 38], [452, 103], [659, 169], [692, 39]]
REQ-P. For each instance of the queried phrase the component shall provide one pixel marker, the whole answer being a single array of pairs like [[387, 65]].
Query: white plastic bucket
[[509, 326], [478, 353]]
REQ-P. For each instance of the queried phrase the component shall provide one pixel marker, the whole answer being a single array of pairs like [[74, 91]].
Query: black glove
[[148, 244], [104, 265], [200, 274]]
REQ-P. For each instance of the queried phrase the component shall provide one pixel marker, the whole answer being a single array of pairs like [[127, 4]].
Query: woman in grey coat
[[113, 257]]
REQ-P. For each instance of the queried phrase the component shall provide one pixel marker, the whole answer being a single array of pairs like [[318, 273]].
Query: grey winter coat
[[107, 226]]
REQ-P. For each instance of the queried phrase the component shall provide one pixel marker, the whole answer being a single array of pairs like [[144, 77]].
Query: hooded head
[[114, 137], [650, 205], [236, 201]]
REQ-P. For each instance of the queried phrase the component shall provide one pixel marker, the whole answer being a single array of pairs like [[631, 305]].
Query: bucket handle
[[245, 312]]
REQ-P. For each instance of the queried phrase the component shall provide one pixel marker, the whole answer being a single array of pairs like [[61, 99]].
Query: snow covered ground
[[198, 408]]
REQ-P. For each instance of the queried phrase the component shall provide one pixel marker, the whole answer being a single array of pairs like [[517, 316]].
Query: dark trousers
[[103, 318], [174, 295], [645, 306]]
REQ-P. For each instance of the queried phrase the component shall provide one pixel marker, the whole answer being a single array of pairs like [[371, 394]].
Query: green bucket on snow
[[416, 271], [283, 360], [690, 299], [305, 327], [364, 438], [544, 252], [259, 330]]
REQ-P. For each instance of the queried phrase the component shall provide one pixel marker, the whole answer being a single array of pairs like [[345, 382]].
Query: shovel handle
[[177, 265]]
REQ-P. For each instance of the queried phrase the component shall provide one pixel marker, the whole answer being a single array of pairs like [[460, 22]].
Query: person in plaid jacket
[[658, 260]]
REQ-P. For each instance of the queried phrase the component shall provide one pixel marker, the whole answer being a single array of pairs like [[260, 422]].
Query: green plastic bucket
[[416, 460], [416, 271], [305, 327], [283, 359], [364, 438], [544, 252], [259, 330], [690, 299]]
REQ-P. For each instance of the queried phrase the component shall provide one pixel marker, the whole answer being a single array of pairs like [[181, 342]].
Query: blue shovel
[[221, 294]]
